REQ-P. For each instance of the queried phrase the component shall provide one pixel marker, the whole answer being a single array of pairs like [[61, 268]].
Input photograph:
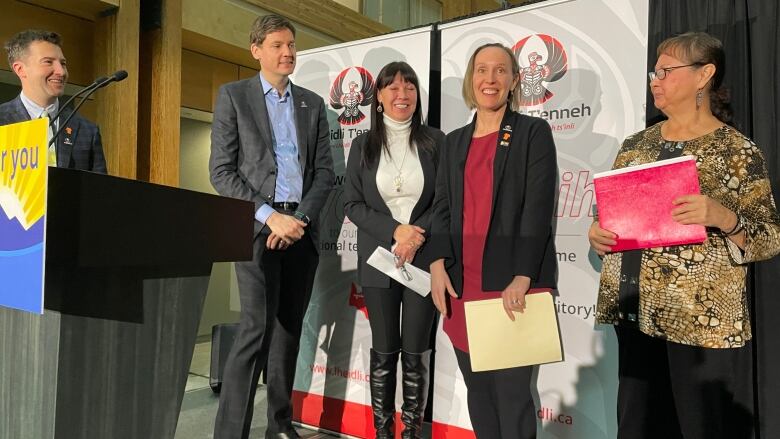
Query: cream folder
[[495, 342]]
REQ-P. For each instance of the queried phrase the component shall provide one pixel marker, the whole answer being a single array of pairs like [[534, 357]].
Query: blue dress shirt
[[289, 179]]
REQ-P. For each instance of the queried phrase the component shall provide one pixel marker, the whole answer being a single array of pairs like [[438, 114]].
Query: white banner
[[591, 56], [331, 382]]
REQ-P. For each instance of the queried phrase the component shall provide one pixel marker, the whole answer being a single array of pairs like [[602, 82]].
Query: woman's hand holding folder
[[600, 239], [514, 295]]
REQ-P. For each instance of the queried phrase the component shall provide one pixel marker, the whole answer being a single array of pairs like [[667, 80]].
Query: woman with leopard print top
[[681, 313]]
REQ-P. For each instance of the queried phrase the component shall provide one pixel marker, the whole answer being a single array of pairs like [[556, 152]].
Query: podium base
[[71, 375]]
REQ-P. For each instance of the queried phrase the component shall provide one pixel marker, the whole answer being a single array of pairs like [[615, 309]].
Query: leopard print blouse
[[695, 294]]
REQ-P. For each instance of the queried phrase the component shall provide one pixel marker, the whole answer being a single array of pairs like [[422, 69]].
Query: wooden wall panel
[[77, 35], [228, 37], [87, 9], [116, 47], [326, 16], [221, 50], [160, 100], [201, 77], [245, 72]]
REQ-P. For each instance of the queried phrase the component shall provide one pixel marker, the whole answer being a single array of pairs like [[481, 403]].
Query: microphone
[[87, 91], [118, 76]]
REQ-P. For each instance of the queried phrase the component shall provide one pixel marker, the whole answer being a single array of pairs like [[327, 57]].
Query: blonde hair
[[468, 81]]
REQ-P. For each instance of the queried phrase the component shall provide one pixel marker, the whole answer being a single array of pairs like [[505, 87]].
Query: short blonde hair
[[468, 81]]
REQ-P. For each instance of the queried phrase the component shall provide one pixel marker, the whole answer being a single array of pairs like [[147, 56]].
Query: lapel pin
[[508, 128], [504, 143], [67, 141], [303, 104], [69, 130]]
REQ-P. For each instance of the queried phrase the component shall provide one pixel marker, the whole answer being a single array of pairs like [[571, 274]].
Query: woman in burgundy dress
[[491, 231]]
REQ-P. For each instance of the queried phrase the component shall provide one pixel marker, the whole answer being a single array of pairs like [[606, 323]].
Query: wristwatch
[[302, 217]]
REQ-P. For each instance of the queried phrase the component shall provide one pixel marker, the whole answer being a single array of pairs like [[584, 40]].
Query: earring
[[379, 108], [699, 98]]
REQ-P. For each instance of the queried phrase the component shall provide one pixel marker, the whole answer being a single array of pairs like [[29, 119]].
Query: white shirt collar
[[35, 110]]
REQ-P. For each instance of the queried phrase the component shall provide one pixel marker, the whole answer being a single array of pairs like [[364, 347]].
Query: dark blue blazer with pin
[[79, 145]]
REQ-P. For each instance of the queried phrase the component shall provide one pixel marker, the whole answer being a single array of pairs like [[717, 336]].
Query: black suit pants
[[392, 329], [500, 402], [674, 391], [275, 288]]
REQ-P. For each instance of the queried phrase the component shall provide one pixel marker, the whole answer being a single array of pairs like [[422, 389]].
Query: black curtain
[[751, 38]]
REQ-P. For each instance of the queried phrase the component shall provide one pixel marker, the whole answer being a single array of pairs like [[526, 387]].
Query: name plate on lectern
[[23, 173]]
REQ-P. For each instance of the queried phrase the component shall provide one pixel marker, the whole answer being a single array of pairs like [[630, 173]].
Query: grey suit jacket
[[243, 164], [79, 145]]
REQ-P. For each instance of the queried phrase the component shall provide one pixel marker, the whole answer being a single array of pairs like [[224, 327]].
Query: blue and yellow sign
[[23, 173]]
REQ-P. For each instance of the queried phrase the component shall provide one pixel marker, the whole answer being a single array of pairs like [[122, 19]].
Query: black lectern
[[127, 269]]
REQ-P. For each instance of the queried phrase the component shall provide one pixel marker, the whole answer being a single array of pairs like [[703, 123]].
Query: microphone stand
[[86, 89], [87, 92]]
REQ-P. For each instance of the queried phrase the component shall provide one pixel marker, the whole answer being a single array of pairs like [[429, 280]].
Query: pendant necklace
[[398, 180]]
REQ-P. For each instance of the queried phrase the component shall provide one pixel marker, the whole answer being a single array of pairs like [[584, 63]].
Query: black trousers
[[413, 334], [674, 391], [275, 288], [500, 402]]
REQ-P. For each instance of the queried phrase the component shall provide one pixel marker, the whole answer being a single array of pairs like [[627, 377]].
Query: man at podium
[[36, 58]]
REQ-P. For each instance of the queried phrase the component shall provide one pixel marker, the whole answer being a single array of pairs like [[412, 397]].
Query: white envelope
[[412, 277]]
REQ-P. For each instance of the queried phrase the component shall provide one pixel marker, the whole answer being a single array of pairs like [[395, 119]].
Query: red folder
[[636, 203]]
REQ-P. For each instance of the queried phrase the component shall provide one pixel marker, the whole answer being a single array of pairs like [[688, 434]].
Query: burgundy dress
[[477, 205]]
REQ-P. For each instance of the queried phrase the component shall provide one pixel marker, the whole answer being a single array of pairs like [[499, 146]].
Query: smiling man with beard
[[37, 59]]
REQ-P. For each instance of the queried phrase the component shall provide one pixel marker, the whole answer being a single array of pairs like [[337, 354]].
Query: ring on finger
[[515, 301]]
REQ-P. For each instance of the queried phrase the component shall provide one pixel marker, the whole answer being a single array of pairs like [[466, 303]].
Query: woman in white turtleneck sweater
[[391, 174]]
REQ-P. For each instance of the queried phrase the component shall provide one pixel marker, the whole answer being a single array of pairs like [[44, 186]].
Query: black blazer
[[79, 145], [520, 236], [243, 164], [365, 207]]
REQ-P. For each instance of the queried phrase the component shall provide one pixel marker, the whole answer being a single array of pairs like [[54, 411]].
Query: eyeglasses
[[661, 73]]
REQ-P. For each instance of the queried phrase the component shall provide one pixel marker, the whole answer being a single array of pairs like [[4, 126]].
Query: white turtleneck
[[400, 203]]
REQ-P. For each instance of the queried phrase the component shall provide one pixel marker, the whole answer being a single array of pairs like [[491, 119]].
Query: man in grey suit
[[36, 58], [270, 145]]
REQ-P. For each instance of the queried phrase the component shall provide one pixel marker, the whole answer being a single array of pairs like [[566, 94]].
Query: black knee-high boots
[[414, 368], [415, 392], [383, 371]]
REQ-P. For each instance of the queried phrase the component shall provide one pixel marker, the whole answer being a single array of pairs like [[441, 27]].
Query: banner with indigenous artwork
[[583, 69], [331, 382]]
